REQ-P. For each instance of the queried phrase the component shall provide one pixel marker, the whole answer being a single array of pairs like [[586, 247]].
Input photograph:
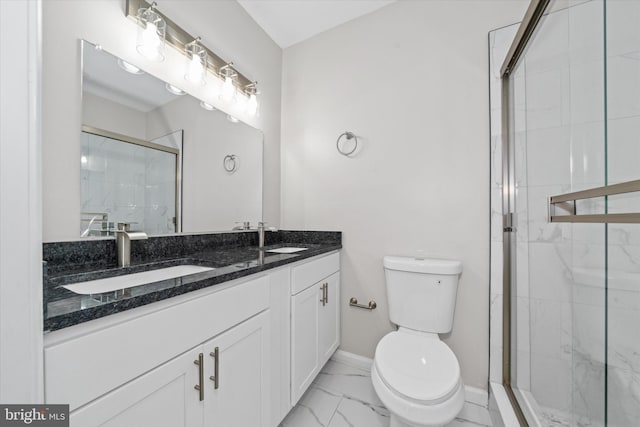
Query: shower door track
[[534, 14]]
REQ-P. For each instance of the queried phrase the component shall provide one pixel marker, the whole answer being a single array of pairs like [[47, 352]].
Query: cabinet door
[[304, 339], [242, 396], [163, 397], [329, 320]]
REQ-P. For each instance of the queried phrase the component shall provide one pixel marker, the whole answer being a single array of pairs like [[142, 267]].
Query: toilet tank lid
[[423, 265]]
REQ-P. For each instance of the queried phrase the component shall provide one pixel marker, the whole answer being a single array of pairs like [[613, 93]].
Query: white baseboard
[[473, 395], [353, 360], [477, 396]]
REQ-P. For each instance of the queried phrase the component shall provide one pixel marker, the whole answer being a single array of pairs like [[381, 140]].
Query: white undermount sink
[[286, 250], [111, 284]]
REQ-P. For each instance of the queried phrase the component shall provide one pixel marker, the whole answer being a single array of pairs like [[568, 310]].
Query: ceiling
[[289, 22], [103, 77]]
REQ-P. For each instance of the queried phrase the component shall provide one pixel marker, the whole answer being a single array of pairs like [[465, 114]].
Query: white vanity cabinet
[[315, 319], [131, 369], [163, 397], [262, 339], [167, 396], [237, 389]]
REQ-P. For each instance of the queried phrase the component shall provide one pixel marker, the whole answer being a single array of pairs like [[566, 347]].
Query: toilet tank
[[422, 292]]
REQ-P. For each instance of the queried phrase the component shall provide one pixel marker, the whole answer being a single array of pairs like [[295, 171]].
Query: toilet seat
[[417, 366]]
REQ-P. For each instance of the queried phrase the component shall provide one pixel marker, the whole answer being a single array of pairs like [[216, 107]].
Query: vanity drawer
[[305, 275], [84, 368]]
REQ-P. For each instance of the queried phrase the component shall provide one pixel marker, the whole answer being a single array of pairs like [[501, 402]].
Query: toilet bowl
[[414, 373], [417, 377]]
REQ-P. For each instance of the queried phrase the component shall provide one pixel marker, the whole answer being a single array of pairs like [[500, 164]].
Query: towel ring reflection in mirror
[[349, 136], [230, 163]]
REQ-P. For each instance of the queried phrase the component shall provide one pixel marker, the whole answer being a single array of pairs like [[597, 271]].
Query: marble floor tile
[[352, 412], [347, 381], [343, 396], [315, 408]]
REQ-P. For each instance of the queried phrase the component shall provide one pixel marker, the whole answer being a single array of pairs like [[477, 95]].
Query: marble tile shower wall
[[129, 183], [560, 129]]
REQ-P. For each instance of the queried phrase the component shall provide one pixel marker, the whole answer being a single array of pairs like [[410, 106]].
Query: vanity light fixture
[[207, 106], [228, 74], [155, 28], [129, 68], [196, 62], [252, 92], [174, 90], [151, 33]]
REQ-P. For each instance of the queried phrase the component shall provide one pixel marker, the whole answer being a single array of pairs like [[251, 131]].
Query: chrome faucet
[[124, 236], [245, 225], [261, 230]]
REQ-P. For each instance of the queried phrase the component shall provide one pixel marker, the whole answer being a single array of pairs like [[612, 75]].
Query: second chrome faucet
[[261, 229], [124, 236]]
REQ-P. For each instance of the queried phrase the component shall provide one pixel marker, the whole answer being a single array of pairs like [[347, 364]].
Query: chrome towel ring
[[349, 136], [230, 163]]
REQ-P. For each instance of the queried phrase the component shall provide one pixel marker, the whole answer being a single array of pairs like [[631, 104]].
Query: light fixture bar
[[179, 38]]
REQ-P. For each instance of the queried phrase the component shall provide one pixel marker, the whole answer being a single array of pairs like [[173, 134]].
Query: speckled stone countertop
[[232, 255]]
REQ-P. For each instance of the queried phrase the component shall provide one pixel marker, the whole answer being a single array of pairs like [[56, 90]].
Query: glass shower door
[[623, 240], [559, 146], [575, 309]]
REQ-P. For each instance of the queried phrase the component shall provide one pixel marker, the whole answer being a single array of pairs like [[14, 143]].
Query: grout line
[[334, 412], [313, 413]]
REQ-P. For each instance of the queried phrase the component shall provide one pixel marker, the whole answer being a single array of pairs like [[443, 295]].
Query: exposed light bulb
[[252, 105], [228, 90], [151, 32], [150, 35], [232, 119], [151, 43], [196, 70]]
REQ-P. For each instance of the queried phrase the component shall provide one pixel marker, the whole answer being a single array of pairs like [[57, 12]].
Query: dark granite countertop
[[231, 255]]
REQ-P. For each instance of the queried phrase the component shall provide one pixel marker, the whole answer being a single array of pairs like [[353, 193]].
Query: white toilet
[[416, 375]]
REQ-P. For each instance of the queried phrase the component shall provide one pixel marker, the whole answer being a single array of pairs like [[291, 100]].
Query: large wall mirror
[[158, 158]]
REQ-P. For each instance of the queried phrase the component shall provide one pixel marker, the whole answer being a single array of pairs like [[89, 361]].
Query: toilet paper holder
[[353, 302]]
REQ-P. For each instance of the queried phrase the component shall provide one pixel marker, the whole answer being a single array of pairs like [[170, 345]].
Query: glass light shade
[[196, 63], [228, 93], [151, 33], [252, 105]]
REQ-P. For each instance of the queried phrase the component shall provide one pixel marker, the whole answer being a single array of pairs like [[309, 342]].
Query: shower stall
[[565, 189]]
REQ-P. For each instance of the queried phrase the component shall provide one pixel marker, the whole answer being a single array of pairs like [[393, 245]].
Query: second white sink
[[111, 284], [287, 250]]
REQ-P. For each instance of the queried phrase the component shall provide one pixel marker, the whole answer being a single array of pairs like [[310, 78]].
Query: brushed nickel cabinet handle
[[199, 387], [323, 300], [216, 365], [326, 293]]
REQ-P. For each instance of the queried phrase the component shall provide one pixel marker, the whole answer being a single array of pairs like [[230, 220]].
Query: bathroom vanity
[[251, 332]]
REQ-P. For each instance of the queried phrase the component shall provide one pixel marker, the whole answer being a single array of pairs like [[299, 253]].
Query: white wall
[[411, 80], [224, 27], [104, 114], [212, 198], [21, 362]]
